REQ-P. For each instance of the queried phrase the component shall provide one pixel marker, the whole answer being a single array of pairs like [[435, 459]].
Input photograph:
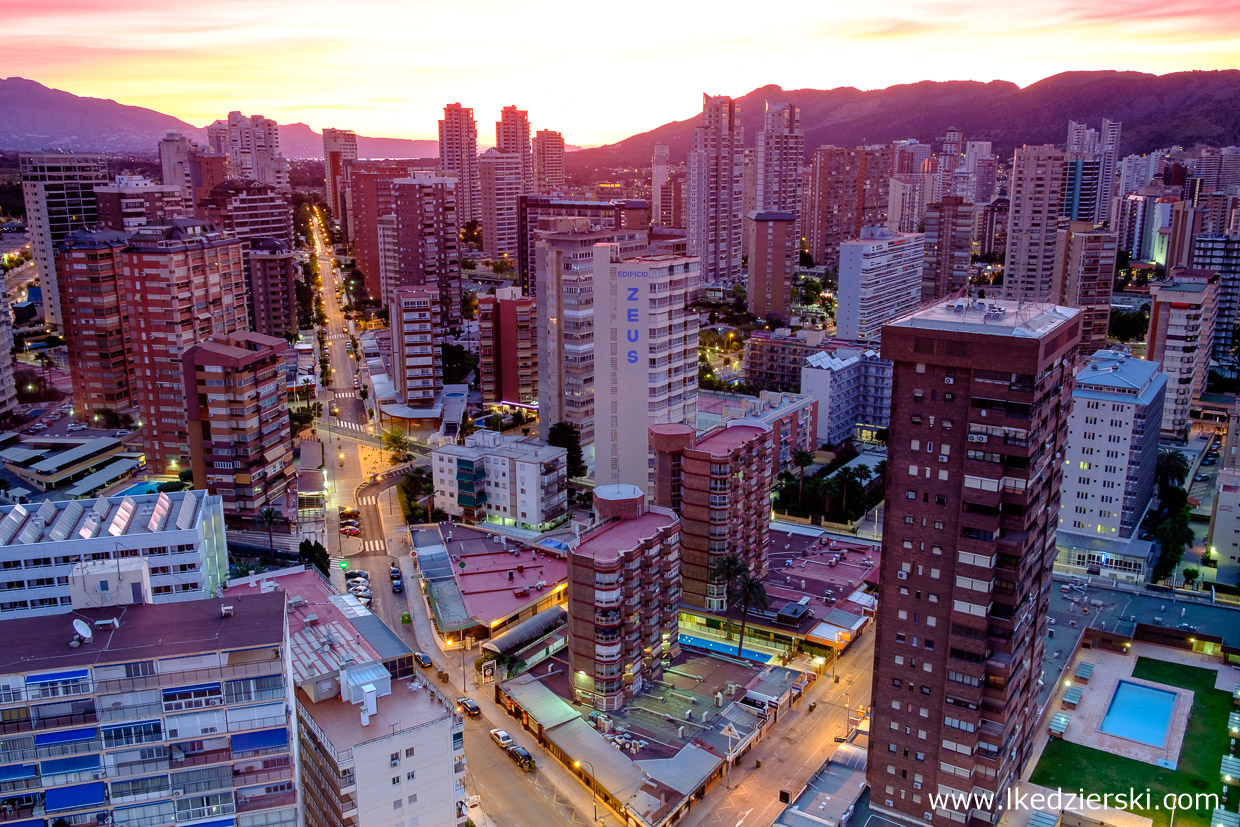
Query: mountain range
[[1156, 111]]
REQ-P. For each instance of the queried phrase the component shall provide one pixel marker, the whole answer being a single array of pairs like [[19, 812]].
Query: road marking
[[744, 816]]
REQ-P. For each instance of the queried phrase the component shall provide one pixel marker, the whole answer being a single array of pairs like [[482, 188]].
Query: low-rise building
[[509, 481], [792, 418], [852, 386], [773, 360]]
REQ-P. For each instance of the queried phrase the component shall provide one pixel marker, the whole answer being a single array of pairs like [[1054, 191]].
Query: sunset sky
[[597, 72]]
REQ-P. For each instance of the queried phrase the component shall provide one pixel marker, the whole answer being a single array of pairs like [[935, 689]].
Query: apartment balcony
[[607, 618], [266, 801], [609, 652], [197, 759]]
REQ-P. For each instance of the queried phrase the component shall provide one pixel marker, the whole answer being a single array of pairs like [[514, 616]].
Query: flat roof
[[990, 317], [402, 710], [111, 471], [119, 516], [732, 435], [146, 632], [76, 454], [618, 535]]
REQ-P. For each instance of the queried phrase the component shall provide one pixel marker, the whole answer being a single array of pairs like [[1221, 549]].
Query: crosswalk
[[346, 394], [368, 500], [374, 545], [348, 426]]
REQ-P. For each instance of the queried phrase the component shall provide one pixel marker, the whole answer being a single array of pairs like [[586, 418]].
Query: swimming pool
[[1139, 713], [722, 648], [140, 488]]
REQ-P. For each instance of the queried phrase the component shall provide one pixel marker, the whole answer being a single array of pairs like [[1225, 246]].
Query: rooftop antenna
[[83, 630]]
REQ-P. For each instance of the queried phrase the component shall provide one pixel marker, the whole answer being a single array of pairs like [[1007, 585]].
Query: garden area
[[842, 491], [1205, 742]]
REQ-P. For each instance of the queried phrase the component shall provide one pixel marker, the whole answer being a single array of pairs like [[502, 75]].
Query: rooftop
[[733, 435], [990, 317], [402, 710], [146, 632], [70, 520], [1115, 374], [807, 563], [618, 535]]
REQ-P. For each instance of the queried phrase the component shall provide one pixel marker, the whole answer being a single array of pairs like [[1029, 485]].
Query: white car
[[38, 427], [502, 738], [77, 426]]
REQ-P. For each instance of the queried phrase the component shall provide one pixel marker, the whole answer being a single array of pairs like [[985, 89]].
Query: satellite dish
[[83, 629]]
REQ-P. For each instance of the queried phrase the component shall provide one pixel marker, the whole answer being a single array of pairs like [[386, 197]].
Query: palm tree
[[729, 569], [802, 459], [751, 594], [268, 517], [46, 362], [1170, 469]]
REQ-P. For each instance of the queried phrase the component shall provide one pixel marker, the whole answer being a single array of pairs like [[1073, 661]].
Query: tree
[[811, 291], [1190, 575], [751, 594], [46, 362], [802, 459], [730, 570], [397, 441], [567, 435], [268, 517], [501, 266], [471, 231], [312, 553], [1170, 469]]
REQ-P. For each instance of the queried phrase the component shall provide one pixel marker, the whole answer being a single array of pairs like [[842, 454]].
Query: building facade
[[779, 159], [852, 385], [427, 241], [502, 184], [623, 590], [715, 180], [249, 210], [458, 156], [548, 161], [512, 134], [194, 169], [508, 348], [1183, 311], [508, 481], [879, 280], [417, 337], [1221, 253], [339, 147], [133, 201], [948, 261], [980, 400], [252, 146], [536, 214], [1085, 257], [240, 444], [719, 483], [848, 189], [370, 197], [271, 273], [773, 249], [1037, 197]]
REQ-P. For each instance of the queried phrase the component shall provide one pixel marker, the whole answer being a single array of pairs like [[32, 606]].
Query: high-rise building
[[907, 199], [271, 276], [780, 156], [458, 155], [1093, 161], [133, 201], [646, 339], [623, 591], [660, 192], [852, 385], [716, 189], [1182, 318], [417, 337], [370, 196], [565, 313], [171, 546], [1112, 450], [949, 248], [879, 280], [88, 267], [548, 161], [181, 283], [252, 145], [978, 416], [160, 715], [1084, 276], [993, 235], [773, 246], [1037, 191], [59, 191], [339, 147], [8, 387], [1082, 189], [427, 240], [194, 169], [249, 211], [534, 212], [719, 483], [247, 459], [508, 348], [512, 134], [510, 481], [848, 190], [502, 185], [1221, 253]]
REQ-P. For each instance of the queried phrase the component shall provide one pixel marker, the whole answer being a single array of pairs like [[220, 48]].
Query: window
[[409, 752], [409, 776], [395, 780]]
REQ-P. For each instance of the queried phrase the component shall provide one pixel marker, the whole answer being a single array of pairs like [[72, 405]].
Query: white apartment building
[[660, 172], [252, 145], [1036, 193], [646, 344], [780, 156], [172, 546], [852, 385], [1182, 317], [417, 335], [339, 147], [508, 481], [879, 280], [1224, 541], [502, 182]]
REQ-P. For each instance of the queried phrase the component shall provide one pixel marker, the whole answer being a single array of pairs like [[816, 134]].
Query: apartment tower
[[848, 189], [536, 213], [1084, 276], [660, 192], [1183, 312], [133, 201], [1037, 193], [502, 184], [252, 146], [772, 256], [719, 483], [339, 147], [508, 348], [458, 155], [716, 189], [780, 156], [427, 236], [370, 197], [981, 398], [949, 248], [417, 336], [879, 280], [548, 161], [512, 134]]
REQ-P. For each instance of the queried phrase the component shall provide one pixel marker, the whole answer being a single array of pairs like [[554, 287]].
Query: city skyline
[[143, 55]]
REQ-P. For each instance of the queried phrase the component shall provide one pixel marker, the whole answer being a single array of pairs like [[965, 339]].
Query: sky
[[595, 71]]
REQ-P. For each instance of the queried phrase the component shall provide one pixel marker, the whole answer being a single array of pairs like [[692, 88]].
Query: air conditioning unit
[[917, 784], [214, 701], [395, 762], [902, 575], [942, 457], [947, 380]]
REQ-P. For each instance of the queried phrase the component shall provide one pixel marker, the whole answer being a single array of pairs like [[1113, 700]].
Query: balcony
[[607, 618], [609, 652], [266, 801]]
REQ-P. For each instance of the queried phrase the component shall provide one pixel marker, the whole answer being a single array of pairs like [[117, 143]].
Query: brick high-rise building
[[623, 591], [339, 147], [534, 212], [182, 282], [133, 201], [370, 195], [252, 145], [993, 235], [715, 180], [458, 155], [500, 174], [237, 405], [548, 161], [88, 267], [719, 483], [780, 156], [249, 210], [979, 410], [417, 337], [1084, 276], [879, 280], [773, 247], [512, 134], [59, 190], [508, 348], [427, 241], [848, 190], [1037, 197], [1183, 312], [194, 169], [949, 248], [271, 274]]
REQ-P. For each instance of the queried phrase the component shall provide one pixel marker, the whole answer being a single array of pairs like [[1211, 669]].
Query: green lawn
[[1071, 766]]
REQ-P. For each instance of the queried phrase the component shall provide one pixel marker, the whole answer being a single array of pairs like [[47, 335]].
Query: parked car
[[1209, 462], [349, 513], [353, 574], [394, 572], [398, 586], [422, 659], [467, 706], [1201, 477], [502, 738], [121, 434], [38, 426], [350, 524], [351, 531], [522, 757], [76, 426]]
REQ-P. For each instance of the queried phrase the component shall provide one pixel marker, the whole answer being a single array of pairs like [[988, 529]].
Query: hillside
[[1156, 111]]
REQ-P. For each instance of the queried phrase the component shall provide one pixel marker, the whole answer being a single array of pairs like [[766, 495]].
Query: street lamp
[[593, 800]]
